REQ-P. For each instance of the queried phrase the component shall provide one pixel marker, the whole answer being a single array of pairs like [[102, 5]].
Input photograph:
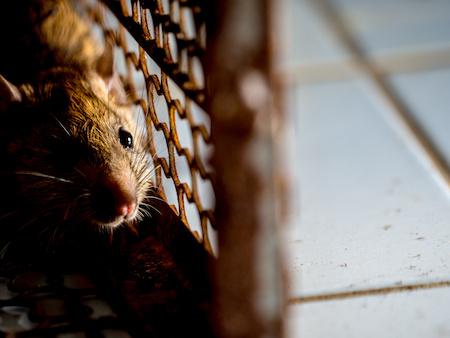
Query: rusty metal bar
[[246, 275]]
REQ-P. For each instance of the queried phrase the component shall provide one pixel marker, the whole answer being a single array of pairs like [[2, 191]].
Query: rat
[[72, 153]]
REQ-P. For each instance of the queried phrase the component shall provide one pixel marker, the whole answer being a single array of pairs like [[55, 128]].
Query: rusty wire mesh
[[173, 35]]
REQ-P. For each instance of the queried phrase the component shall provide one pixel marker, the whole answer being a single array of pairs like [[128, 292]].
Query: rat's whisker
[[156, 198], [9, 214], [150, 207], [38, 174], [72, 204], [61, 125], [80, 172]]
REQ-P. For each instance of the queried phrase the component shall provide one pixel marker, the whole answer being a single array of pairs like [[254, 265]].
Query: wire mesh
[[160, 48], [173, 35]]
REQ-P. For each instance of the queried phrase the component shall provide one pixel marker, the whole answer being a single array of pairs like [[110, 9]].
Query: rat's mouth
[[110, 211], [112, 221]]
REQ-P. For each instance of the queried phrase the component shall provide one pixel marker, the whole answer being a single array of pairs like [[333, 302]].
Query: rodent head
[[74, 149]]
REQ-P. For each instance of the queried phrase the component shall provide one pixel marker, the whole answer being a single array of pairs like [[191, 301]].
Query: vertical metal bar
[[246, 274]]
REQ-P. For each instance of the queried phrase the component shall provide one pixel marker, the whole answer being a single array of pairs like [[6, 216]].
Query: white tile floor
[[372, 214], [422, 313]]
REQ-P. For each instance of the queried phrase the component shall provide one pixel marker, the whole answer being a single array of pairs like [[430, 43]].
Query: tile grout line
[[340, 69], [369, 292]]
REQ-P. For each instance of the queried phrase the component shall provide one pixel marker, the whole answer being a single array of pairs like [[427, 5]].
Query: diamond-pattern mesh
[[165, 65]]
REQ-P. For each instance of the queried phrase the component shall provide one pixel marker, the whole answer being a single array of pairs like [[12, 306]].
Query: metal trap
[[212, 146]]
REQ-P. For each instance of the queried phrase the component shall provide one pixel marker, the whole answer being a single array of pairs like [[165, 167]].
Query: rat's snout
[[123, 195], [115, 200]]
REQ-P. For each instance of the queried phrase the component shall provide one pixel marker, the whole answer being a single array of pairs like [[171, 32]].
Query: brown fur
[[38, 35], [62, 115]]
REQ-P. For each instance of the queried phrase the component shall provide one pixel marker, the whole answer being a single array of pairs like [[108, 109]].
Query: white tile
[[380, 27], [426, 95], [370, 213], [306, 38], [386, 26], [420, 313]]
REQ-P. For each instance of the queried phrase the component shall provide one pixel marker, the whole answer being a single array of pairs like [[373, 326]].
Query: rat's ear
[[105, 68], [9, 93]]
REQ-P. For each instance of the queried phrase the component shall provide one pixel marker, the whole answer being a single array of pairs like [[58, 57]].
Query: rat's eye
[[125, 138]]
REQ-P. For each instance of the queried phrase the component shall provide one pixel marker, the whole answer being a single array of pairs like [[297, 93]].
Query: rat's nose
[[115, 200], [124, 196], [126, 208]]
